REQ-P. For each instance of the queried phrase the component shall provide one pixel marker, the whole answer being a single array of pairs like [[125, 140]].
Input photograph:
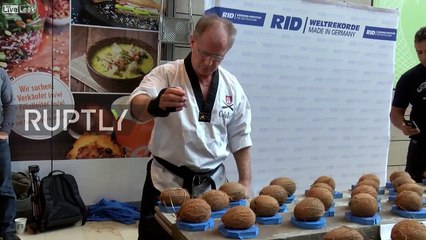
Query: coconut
[[402, 180], [369, 182], [396, 174], [217, 200], [309, 210], [408, 229], [264, 206], [275, 191], [370, 176], [323, 185], [412, 187], [235, 190], [287, 183], [343, 233], [239, 218], [194, 210], [409, 201], [322, 194], [174, 196], [364, 189], [328, 180], [363, 205]]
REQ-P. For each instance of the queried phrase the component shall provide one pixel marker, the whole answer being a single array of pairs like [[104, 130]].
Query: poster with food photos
[[73, 64]]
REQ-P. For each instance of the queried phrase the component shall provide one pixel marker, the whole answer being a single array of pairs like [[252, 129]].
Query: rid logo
[[370, 32], [286, 22], [228, 15]]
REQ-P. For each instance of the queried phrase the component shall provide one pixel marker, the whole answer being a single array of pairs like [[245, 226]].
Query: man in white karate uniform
[[201, 116]]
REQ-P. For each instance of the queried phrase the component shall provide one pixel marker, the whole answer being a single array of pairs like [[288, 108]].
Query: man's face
[[208, 51], [421, 51]]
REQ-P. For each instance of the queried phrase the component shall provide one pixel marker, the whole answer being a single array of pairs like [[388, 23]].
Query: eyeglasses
[[214, 57]]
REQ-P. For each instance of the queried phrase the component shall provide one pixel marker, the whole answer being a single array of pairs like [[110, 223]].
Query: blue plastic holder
[[330, 212], [290, 199], [409, 214], [195, 227], [337, 195], [283, 208], [309, 225], [276, 219], [218, 214], [389, 185], [242, 202], [239, 234], [374, 220], [168, 209], [392, 191]]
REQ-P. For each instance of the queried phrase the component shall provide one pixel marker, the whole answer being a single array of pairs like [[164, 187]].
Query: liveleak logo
[[17, 9]]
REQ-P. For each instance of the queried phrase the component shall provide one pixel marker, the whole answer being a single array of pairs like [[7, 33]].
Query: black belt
[[190, 178]]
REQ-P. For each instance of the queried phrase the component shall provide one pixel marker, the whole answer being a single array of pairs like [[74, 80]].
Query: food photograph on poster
[[36, 40], [140, 14], [110, 60], [108, 131]]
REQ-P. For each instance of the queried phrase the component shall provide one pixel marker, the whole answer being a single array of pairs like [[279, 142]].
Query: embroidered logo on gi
[[228, 103], [421, 87]]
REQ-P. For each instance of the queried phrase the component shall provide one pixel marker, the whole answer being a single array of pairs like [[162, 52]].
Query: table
[[286, 230]]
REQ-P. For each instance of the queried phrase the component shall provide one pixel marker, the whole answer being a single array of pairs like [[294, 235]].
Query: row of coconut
[[319, 198], [409, 194]]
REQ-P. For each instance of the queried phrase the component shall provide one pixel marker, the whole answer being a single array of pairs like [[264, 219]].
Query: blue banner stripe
[[239, 16], [380, 33]]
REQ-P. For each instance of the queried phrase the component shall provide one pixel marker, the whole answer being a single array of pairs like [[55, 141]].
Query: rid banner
[[318, 75]]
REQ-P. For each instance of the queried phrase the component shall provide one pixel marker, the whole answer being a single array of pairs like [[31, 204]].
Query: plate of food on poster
[[119, 63], [58, 12], [141, 14]]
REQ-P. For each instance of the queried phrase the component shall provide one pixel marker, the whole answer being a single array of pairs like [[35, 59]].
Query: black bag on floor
[[61, 203]]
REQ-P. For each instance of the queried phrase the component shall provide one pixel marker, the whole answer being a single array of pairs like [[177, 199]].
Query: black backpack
[[61, 203]]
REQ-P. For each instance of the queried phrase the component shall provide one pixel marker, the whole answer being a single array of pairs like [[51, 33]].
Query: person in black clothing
[[411, 89]]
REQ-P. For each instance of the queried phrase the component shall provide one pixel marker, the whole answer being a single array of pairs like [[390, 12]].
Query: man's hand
[[168, 100], [3, 135], [409, 131], [247, 190], [173, 98]]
